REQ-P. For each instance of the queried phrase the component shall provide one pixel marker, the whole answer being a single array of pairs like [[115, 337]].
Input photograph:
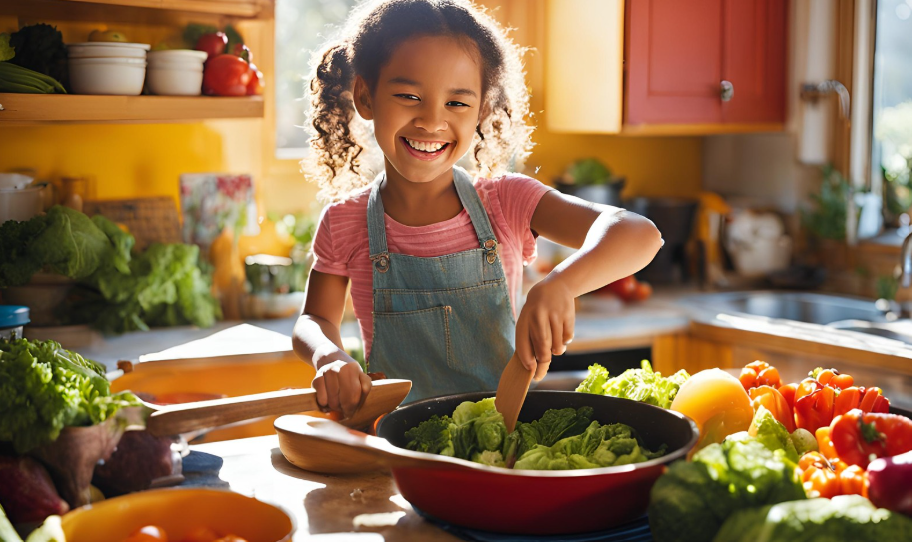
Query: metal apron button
[[381, 262]]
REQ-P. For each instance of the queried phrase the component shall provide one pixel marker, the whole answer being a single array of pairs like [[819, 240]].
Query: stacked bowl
[[176, 72], [102, 67]]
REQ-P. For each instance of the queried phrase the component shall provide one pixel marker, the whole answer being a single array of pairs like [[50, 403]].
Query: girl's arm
[[340, 383], [613, 243]]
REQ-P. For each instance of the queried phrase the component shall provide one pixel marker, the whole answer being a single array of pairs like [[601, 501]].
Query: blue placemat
[[633, 531]]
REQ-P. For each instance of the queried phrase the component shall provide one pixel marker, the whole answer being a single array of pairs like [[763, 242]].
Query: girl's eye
[[408, 97], [457, 104]]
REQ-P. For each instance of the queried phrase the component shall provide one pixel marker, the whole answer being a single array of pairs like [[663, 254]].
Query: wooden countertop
[[360, 508]]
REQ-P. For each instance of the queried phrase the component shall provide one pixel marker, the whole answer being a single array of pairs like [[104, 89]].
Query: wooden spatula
[[385, 395], [511, 391]]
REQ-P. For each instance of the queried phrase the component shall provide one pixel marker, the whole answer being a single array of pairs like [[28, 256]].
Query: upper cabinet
[[694, 67]]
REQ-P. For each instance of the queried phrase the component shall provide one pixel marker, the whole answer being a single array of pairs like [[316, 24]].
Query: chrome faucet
[[904, 273]]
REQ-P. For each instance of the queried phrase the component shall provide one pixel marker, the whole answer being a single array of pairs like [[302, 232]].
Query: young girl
[[434, 258]]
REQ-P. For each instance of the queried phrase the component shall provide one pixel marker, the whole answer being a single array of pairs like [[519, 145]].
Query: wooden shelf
[[237, 8], [64, 108]]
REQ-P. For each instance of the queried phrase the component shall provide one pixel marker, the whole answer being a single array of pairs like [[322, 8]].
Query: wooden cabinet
[[656, 67], [706, 61]]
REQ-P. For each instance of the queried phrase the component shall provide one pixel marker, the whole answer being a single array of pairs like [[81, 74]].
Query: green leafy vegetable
[[644, 384], [44, 388], [6, 50], [16, 265], [561, 439], [691, 501], [846, 517], [588, 171], [431, 436], [163, 286], [772, 434], [598, 446], [40, 47]]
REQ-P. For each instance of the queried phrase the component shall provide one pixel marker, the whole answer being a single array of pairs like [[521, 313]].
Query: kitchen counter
[[602, 323], [360, 508]]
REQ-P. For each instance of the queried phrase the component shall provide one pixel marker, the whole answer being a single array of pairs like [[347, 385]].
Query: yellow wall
[[145, 160]]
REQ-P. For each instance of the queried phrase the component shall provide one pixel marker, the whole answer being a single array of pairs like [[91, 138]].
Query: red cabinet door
[[680, 51], [753, 60], [674, 66]]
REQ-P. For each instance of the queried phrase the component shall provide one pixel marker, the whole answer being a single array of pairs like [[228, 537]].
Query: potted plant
[[591, 180]]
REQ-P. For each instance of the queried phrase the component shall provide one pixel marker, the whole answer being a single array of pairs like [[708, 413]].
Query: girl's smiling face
[[425, 107]]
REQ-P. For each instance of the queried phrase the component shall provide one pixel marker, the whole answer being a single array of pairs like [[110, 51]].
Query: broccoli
[[40, 47], [431, 436]]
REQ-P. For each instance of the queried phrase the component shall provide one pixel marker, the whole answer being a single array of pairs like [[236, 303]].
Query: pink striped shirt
[[340, 245]]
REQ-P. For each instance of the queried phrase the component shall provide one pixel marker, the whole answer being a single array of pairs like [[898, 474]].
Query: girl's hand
[[545, 325], [341, 385]]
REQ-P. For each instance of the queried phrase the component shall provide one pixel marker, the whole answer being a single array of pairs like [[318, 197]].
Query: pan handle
[[322, 445]]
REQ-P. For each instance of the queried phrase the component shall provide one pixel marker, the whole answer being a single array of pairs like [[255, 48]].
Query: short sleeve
[[519, 196], [324, 258]]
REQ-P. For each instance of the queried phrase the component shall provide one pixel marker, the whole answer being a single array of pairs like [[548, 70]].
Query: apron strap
[[472, 203], [376, 227]]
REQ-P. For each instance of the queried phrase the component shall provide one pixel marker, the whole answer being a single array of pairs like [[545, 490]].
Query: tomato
[[853, 480], [624, 288], [214, 44], [642, 292], [821, 482], [748, 378], [825, 376], [842, 381], [226, 75], [813, 459], [769, 377], [255, 86], [770, 398], [149, 533]]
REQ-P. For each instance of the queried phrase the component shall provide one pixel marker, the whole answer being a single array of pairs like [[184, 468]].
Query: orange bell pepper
[[770, 398]]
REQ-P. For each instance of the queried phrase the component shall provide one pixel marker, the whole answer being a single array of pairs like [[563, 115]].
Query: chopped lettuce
[[561, 439], [431, 436], [846, 517], [691, 501], [598, 446], [44, 388], [772, 434], [644, 384]]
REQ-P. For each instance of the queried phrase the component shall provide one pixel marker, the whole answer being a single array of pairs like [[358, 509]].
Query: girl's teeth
[[425, 147]]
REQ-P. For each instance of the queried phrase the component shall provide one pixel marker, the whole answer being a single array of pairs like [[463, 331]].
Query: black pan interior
[[656, 426]]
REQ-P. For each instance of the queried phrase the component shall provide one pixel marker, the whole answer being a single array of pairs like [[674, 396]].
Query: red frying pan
[[496, 499]]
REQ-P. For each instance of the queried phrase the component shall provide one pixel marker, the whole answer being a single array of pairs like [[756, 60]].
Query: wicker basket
[[149, 220]]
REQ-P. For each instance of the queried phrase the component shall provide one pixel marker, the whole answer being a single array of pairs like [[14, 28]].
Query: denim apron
[[445, 323]]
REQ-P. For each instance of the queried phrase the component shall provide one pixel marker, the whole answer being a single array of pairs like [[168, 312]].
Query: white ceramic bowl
[[174, 55], [177, 65], [105, 51], [175, 81], [14, 181], [113, 76]]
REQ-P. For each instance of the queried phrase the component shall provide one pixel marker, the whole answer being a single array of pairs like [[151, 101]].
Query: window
[[892, 144], [301, 27]]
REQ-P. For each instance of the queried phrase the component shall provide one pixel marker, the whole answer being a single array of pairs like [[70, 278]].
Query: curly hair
[[339, 160]]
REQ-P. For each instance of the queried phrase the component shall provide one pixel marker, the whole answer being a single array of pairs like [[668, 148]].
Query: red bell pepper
[[859, 438], [889, 487], [814, 410], [868, 400]]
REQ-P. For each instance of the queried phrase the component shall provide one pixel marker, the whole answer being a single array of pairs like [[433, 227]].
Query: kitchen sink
[[874, 328], [811, 308]]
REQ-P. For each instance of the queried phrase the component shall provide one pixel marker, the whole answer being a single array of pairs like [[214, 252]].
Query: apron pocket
[[411, 339]]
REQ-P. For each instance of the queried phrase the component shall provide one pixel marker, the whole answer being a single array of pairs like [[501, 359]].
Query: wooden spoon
[[511, 391], [324, 446], [385, 395]]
